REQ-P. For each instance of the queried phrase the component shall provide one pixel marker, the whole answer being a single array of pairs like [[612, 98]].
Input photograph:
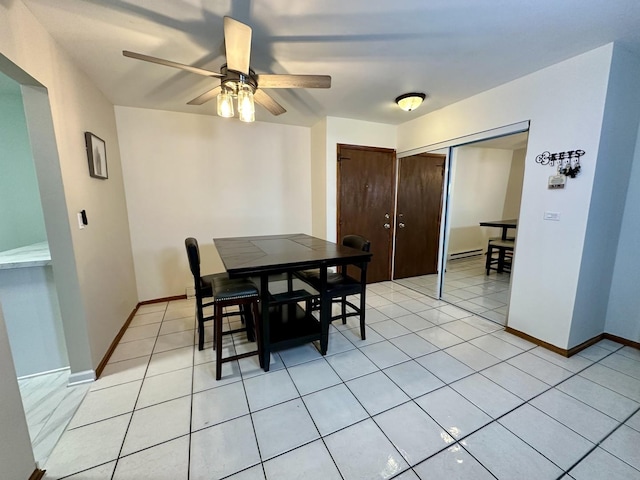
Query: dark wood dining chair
[[499, 255], [340, 285], [219, 291]]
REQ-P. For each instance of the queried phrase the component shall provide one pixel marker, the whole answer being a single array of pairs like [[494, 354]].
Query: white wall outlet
[[190, 291], [81, 224], [554, 216]]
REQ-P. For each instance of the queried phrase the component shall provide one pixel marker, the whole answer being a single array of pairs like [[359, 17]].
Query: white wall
[[32, 317], [349, 132], [513, 196], [93, 267], [565, 105], [319, 179], [478, 193], [21, 219], [16, 455], [206, 177]]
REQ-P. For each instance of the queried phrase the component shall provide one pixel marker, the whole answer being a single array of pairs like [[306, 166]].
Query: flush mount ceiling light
[[410, 101]]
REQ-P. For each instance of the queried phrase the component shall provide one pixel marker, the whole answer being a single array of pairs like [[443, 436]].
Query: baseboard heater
[[469, 253]]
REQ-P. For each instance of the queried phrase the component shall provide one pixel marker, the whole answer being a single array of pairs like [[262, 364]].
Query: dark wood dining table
[[265, 256], [504, 224]]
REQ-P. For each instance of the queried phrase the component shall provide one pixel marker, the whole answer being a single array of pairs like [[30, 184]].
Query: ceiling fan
[[237, 78]]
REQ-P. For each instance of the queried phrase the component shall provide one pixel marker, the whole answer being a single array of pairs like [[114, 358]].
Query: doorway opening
[[29, 292]]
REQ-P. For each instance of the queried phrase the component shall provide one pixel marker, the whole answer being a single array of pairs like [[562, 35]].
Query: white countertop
[[36, 255]]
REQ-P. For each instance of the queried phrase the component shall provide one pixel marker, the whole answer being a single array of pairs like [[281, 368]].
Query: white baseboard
[[39, 374], [81, 377]]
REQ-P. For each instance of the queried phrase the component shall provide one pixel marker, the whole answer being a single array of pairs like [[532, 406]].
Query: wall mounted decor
[[97, 156], [568, 162]]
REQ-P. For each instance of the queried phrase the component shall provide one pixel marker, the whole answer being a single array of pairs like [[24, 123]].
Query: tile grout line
[[115, 467]]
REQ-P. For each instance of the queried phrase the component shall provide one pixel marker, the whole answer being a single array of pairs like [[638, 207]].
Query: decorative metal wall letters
[[568, 162]]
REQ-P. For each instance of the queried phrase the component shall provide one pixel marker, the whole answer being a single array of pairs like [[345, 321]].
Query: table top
[[281, 253], [513, 223]]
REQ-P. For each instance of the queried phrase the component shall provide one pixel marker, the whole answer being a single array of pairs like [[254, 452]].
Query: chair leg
[[217, 339], [343, 303], [200, 315], [363, 307], [249, 319], [488, 262], [501, 253], [258, 333]]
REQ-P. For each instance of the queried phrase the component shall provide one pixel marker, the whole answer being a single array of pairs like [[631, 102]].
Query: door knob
[[401, 225], [387, 226]]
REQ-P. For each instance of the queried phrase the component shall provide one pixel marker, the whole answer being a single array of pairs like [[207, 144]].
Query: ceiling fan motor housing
[[232, 80]]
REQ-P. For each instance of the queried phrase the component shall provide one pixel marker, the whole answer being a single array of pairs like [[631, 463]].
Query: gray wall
[[21, 219], [615, 158], [623, 312]]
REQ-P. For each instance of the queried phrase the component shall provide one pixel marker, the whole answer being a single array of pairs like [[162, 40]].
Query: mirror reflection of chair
[[222, 292], [340, 285], [499, 255]]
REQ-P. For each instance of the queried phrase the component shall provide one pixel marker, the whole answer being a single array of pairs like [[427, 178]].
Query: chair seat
[[337, 284], [226, 289]]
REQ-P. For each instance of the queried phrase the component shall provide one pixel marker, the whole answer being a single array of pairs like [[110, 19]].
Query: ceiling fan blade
[[294, 81], [267, 102], [206, 96], [237, 42], [169, 63]]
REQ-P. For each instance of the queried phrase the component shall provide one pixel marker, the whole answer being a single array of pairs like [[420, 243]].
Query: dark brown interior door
[[365, 202], [420, 184]]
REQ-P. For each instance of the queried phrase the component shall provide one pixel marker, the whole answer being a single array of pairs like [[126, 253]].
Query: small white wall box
[[557, 182]]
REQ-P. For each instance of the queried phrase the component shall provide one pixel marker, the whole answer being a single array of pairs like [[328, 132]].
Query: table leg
[[264, 320]]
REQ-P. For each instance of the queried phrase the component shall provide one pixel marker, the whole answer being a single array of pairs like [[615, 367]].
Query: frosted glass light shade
[[410, 101]]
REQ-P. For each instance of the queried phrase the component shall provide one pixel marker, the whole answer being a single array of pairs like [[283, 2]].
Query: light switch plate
[[81, 224], [555, 216]]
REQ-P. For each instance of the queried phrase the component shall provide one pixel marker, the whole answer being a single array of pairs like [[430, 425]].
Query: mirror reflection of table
[[504, 224], [263, 256]]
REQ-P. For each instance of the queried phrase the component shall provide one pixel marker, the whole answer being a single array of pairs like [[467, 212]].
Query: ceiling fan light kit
[[225, 104], [246, 107], [237, 79], [410, 101]]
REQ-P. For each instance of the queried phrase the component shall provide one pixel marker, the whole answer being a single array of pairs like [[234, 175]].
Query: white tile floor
[[467, 285], [433, 392], [49, 405]]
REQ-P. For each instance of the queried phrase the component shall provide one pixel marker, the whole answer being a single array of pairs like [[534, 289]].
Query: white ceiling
[[374, 50]]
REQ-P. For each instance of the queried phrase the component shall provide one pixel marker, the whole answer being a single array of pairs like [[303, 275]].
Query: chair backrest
[[356, 241], [193, 253], [360, 243]]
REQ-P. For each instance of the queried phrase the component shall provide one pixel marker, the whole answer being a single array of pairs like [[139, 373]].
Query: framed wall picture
[[97, 156]]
